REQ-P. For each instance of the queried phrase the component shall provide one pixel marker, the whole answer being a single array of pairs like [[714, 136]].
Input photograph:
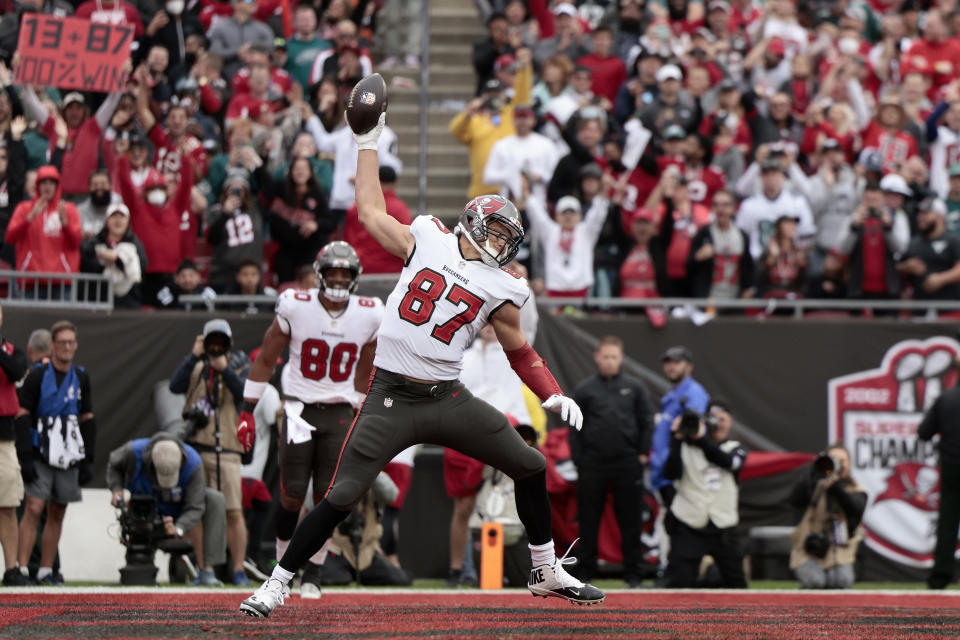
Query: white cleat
[[553, 581], [268, 597]]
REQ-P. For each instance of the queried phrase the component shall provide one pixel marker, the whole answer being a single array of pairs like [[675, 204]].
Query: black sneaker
[[552, 580], [453, 578], [51, 580], [13, 578]]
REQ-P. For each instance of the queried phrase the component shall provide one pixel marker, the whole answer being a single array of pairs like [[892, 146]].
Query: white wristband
[[252, 389]]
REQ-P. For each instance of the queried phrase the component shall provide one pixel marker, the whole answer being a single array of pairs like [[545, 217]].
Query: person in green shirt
[[304, 46]]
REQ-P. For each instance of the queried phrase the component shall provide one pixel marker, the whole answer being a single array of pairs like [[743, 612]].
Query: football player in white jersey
[[452, 284], [332, 335]]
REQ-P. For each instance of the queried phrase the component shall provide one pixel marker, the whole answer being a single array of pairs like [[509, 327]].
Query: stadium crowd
[[725, 149], [669, 148]]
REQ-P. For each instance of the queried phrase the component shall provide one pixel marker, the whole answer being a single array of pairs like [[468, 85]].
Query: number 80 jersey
[[440, 303], [323, 348]]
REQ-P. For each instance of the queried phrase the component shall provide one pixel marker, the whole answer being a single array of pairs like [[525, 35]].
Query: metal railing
[[424, 101], [798, 306], [92, 291]]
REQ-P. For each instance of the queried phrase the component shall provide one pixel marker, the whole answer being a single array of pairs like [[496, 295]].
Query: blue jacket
[[671, 406]]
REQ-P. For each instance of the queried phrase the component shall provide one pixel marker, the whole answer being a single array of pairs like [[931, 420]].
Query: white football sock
[[321, 556], [281, 548], [542, 553], [281, 574], [43, 572]]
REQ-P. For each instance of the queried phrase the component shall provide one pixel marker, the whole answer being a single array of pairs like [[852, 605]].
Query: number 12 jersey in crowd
[[440, 303]]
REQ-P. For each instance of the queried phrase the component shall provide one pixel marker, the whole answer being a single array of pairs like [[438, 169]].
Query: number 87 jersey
[[324, 348], [440, 303]]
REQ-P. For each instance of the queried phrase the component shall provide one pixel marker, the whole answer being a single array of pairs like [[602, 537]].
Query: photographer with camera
[[214, 392], [825, 542], [705, 467], [874, 237], [170, 472]]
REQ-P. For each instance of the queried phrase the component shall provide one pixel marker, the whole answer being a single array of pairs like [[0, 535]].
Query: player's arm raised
[[274, 341], [530, 367], [392, 235]]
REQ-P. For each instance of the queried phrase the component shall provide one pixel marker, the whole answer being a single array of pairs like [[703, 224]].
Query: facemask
[[157, 197], [175, 7], [100, 198], [848, 46], [336, 294]]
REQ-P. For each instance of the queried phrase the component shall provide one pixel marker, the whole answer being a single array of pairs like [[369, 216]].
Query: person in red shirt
[[703, 180], [256, 104], [679, 220], [83, 134], [608, 71], [156, 217], [111, 12], [280, 81], [373, 257], [886, 134], [638, 278], [46, 232], [936, 54]]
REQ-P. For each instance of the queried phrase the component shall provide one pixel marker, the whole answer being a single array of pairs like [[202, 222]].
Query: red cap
[[504, 60], [643, 214], [777, 46]]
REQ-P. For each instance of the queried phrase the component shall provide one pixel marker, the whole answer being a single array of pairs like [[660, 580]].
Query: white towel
[[298, 429]]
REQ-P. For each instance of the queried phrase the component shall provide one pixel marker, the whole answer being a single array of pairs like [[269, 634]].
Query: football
[[367, 101]]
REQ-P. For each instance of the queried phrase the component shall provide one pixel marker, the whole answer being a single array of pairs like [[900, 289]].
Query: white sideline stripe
[[470, 592]]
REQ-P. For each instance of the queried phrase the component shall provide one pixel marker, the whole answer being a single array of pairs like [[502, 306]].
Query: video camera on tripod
[[142, 533]]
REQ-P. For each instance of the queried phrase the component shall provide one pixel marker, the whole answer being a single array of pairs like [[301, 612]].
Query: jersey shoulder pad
[[427, 224], [292, 298], [512, 287], [369, 302]]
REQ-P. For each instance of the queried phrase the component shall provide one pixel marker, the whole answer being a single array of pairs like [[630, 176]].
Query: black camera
[[873, 212], [689, 423], [141, 530], [194, 419], [816, 545], [826, 464]]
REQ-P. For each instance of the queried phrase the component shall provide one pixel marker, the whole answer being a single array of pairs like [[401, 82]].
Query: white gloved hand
[[369, 139], [567, 408]]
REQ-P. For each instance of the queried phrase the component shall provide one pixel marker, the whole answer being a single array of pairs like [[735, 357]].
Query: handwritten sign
[[72, 53]]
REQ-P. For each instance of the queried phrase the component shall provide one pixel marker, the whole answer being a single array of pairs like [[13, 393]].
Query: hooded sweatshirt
[[45, 243], [157, 227]]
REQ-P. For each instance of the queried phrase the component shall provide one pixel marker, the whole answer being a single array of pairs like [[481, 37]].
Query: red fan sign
[[72, 53]]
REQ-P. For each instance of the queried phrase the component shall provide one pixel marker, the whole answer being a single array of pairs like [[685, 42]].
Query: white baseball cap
[[668, 72], [565, 8], [166, 456], [895, 184], [568, 203]]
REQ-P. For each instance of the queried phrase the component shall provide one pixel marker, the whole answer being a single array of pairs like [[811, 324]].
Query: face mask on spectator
[[175, 7], [100, 198], [848, 46], [157, 197]]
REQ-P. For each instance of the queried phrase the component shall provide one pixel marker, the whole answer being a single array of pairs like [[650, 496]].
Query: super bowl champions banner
[[875, 413]]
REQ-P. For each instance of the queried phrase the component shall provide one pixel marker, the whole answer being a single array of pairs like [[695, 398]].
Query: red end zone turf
[[471, 614]]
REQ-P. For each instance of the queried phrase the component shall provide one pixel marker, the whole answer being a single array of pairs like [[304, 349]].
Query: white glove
[[567, 408], [369, 139]]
